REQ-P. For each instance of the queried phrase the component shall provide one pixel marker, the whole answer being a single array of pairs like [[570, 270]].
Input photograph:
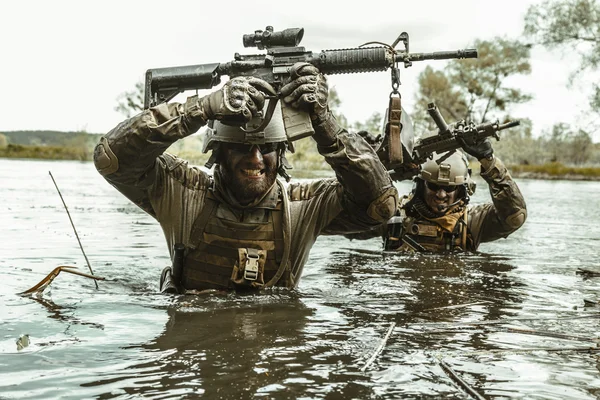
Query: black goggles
[[264, 148], [435, 187]]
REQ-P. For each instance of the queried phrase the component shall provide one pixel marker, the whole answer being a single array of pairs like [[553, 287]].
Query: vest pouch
[[250, 268]]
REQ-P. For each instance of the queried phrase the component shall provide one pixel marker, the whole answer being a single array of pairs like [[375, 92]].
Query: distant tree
[[334, 105], [3, 140], [131, 102], [580, 147], [565, 145], [572, 26], [476, 88], [374, 124], [435, 86], [518, 146], [556, 139]]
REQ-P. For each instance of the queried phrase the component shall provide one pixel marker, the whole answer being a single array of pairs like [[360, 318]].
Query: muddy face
[[249, 171]]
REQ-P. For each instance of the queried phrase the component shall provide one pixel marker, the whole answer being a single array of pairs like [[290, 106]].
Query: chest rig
[[410, 233], [237, 248]]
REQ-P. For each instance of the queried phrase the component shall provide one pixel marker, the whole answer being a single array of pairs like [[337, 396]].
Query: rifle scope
[[268, 38]]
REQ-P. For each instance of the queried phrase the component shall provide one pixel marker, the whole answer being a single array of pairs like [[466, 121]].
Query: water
[[324, 340]]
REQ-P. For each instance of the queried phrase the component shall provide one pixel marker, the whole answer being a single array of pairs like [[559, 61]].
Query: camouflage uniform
[[132, 158], [485, 222], [506, 213]]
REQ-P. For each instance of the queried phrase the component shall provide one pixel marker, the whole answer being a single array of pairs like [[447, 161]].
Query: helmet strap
[[214, 156], [283, 164]]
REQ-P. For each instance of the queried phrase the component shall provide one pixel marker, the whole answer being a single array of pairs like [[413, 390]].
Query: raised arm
[[129, 156], [366, 193], [507, 212]]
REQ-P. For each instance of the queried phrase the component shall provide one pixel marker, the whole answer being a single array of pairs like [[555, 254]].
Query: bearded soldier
[[436, 216], [241, 227]]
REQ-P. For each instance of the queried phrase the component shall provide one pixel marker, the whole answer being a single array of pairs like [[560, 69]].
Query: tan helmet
[[274, 132], [451, 171]]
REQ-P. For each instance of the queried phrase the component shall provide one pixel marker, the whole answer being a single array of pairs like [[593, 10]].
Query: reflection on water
[[484, 315]]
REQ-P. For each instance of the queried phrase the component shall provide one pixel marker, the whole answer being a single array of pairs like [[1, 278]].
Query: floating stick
[[75, 230], [461, 382], [44, 283], [547, 334], [380, 347]]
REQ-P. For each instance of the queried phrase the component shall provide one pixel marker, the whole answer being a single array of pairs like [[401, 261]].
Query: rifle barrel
[[437, 55], [508, 125]]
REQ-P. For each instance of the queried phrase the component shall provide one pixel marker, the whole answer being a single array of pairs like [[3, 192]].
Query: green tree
[[373, 124], [131, 102], [476, 88], [572, 26], [435, 86], [565, 145], [518, 146]]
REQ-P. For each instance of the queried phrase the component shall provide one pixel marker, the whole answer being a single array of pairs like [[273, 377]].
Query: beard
[[247, 190]]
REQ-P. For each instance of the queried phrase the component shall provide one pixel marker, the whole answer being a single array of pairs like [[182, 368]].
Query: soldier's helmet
[[451, 171], [219, 132]]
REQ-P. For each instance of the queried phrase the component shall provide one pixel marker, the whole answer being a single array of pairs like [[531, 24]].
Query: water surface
[[324, 340]]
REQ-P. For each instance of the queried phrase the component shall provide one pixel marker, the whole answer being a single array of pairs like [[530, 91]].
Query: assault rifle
[[449, 137], [282, 52]]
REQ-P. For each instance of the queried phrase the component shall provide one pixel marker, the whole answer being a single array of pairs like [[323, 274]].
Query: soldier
[[241, 228], [436, 217]]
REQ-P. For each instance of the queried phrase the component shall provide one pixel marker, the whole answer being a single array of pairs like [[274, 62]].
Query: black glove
[[240, 99], [479, 150], [307, 90], [373, 140]]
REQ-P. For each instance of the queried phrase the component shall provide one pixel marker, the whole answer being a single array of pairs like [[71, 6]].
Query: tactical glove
[[479, 150], [240, 99], [307, 90]]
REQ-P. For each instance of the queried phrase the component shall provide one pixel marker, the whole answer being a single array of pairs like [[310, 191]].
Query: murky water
[[362, 325]]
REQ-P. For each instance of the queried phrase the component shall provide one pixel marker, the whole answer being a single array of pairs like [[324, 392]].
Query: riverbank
[[302, 161], [555, 171], [46, 152]]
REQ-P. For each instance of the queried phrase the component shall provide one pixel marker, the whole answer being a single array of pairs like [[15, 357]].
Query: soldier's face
[[249, 171], [439, 197]]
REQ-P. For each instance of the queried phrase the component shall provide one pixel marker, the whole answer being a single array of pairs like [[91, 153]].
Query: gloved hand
[[479, 150], [307, 90], [240, 99], [373, 140]]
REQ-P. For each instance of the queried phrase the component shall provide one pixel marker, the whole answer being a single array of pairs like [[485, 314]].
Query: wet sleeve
[[506, 213], [127, 156], [366, 193]]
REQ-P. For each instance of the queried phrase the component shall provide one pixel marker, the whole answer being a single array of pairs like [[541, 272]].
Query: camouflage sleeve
[[127, 155], [506, 213], [367, 195]]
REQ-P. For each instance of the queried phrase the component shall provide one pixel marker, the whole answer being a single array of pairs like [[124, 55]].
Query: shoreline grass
[[555, 170], [46, 152], [301, 162]]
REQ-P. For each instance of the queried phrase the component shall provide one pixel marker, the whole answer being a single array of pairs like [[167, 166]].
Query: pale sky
[[64, 63]]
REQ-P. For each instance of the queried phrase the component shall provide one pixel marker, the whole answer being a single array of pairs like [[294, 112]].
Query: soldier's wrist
[[195, 113], [326, 130], [486, 162]]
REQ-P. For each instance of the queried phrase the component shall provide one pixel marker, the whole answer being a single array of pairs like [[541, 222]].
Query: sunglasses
[[435, 188], [264, 148]]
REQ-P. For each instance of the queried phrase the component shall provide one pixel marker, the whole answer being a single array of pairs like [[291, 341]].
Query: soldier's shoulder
[[179, 169], [298, 191]]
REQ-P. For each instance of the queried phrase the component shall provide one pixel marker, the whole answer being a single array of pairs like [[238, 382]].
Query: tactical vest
[[409, 233], [236, 249]]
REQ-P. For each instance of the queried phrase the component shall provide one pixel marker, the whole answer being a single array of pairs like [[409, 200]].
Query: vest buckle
[[251, 267]]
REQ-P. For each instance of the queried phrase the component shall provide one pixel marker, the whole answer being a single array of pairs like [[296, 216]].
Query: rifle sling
[[394, 130]]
